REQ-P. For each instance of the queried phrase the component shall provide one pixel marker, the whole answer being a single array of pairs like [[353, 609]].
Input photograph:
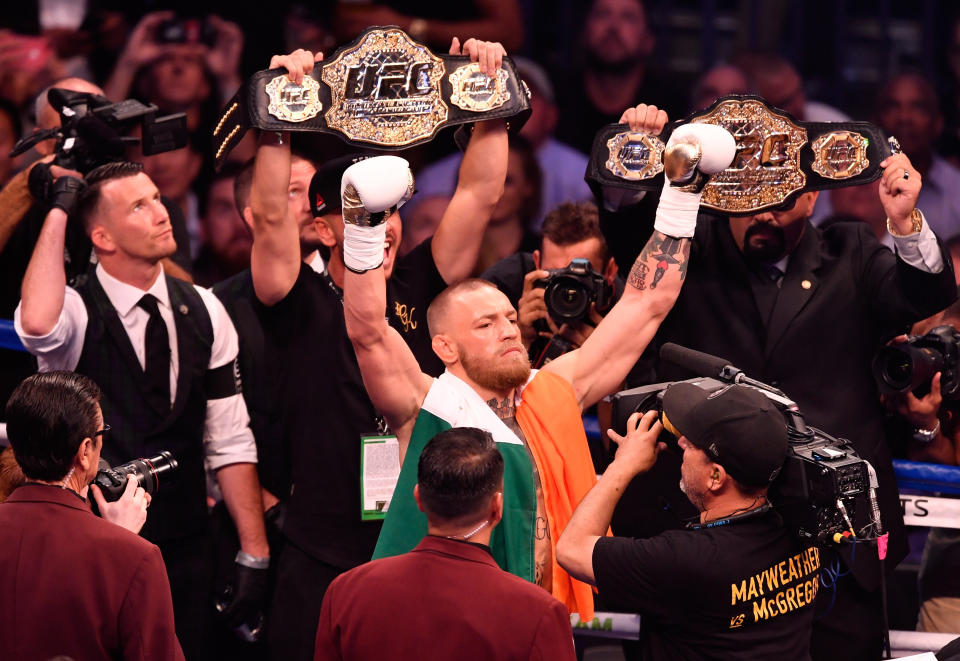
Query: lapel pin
[[184, 309], [806, 284]]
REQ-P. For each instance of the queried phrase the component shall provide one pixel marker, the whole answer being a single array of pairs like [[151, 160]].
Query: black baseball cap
[[325, 185], [737, 426]]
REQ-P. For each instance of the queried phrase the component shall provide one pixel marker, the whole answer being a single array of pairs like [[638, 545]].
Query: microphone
[[697, 362], [705, 364]]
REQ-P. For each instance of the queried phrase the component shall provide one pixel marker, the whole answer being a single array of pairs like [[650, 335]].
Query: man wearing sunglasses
[[75, 585], [804, 310]]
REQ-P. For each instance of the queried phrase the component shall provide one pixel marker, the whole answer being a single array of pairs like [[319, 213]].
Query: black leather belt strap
[[383, 90], [777, 156]]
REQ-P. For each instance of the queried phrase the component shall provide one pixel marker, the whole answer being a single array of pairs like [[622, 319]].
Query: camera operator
[[735, 584], [804, 310], [570, 231], [165, 352], [930, 424], [76, 585]]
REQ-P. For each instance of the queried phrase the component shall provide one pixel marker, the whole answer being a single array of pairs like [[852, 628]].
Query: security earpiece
[[716, 474]]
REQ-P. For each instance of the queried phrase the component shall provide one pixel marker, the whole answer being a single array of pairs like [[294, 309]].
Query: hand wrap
[[371, 191], [693, 152]]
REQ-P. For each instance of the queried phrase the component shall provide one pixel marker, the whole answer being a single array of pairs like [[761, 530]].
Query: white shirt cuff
[[920, 250], [227, 436]]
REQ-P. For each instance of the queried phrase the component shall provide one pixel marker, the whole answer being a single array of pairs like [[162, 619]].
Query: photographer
[[570, 231], [165, 352], [76, 585], [735, 584], [930, 424]]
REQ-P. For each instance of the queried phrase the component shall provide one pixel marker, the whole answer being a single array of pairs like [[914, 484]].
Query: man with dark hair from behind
[[73, 584], [449, 583]]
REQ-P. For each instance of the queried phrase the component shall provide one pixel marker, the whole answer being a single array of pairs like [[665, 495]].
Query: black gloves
[[62, 193], [244, 599], [65, 193]]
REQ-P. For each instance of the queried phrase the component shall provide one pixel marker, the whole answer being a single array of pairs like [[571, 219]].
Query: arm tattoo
[[505, 409], [667, 251]]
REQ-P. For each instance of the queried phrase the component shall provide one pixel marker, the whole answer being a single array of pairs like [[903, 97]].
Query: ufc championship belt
[[777, 157], [383, 90]]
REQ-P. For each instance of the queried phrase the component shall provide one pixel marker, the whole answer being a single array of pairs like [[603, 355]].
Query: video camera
[[568, 292], [910, 366], [113, 481], [93, 131], [824, 488]]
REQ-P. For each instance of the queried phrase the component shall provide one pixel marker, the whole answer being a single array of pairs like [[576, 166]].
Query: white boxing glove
[[691, 147], [371, 191]]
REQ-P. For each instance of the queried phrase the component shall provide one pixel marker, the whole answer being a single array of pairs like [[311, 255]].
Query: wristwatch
[[926, 435], [917, 224]]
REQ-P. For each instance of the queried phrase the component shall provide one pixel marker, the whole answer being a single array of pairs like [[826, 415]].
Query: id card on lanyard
[[379, 472]]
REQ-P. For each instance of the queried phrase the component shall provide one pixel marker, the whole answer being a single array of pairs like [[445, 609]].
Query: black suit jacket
[[842, 296]]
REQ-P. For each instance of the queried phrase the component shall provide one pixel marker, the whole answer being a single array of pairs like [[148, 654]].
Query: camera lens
[[905, 367], [566, 299]]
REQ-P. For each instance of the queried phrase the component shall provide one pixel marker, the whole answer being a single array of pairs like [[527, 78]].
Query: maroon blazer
[[73, 584], [443, 600]]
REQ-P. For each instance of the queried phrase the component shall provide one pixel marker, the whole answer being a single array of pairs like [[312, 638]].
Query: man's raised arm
[[456, 243], [275, 257], [694, 151], [372, 190]]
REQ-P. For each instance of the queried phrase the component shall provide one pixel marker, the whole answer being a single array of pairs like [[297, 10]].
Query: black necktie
[[157, 345]]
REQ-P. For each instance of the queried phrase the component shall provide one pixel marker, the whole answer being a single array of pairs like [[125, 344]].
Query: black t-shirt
[[743, 590], [324, 409]]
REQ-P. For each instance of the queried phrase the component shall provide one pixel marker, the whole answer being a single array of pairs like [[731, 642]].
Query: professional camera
[[824, 488], [568, 292], [909, 366], [93, 131], [112, 481]]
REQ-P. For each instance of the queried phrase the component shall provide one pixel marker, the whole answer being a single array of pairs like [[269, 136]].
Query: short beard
[[771, 251], [498, 378]]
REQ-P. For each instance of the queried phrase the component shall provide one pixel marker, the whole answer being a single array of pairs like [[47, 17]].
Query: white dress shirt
[[227, 436]]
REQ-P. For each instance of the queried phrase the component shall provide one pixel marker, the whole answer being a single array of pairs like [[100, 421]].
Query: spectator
[[510, 229], [690, 586], [167, 62], [778, 82], [450, 579], [76, 584], [807, 327], [719, 81], [561, 167], [166, 352], [435, 24], [616, 73], [227, 239], [320, 387], [907, 108]]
